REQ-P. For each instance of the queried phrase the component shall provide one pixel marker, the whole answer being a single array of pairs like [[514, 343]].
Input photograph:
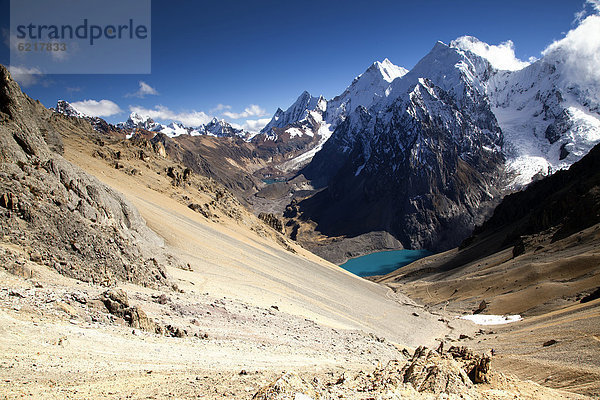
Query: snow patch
[[481, 319], [304, 158]]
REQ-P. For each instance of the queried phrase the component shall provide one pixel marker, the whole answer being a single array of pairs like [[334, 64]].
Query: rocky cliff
[[66, 218]]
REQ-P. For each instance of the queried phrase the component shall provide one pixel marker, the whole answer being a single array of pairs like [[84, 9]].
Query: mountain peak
[[388, 70], [136, 121], [65, 108]]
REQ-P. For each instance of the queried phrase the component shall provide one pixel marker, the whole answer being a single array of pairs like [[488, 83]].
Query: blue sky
[[240, 60]]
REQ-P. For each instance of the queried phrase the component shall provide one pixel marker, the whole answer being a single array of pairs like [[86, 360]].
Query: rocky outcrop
[[427, 374], [271, 220], [288, 386], [117, 304], [72, 221]]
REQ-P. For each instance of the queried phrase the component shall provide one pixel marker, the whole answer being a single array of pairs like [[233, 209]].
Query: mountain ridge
[[504, 128]]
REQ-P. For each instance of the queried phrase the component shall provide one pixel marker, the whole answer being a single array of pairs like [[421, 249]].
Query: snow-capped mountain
[[215, 127], [65, 108], [175, 129], [312, 120], [296, 114], [136, 121], [549, 111], [221, 128], [442, 144], [420, 163], [366, 89]]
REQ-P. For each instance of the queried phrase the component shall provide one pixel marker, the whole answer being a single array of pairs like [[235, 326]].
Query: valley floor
[[558, 341], [56, 343]]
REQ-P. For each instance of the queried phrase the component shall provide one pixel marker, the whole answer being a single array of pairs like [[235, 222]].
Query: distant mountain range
[[215, 127]]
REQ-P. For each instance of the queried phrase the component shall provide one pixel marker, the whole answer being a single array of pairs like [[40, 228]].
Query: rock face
[[76, 224], [564, 203], [271, 220]]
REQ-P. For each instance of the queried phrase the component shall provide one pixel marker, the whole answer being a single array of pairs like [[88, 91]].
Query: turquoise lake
[[382, 262], [271, 181]]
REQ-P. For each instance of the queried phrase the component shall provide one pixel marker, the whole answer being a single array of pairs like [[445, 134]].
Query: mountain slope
[[232, 256], [229, 258], [73, 222], [536, 256]]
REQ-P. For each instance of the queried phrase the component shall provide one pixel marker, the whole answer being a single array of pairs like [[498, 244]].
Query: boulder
[[116, 301], [289, 386], [429, 372], [137, 318]]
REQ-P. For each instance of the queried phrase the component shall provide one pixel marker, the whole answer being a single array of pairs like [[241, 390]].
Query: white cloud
[[579, 51], [60, 56], [25, 76], [219, 107], [192, 118], [589, 7], [255, 125], [251, 111], [143, 91], [501, 56], [94, 108]]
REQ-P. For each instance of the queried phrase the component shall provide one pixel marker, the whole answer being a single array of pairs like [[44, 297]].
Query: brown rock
[[431, 373], [9, 201], [288, 386], [137, 318], [116, 301], [479, 370]]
